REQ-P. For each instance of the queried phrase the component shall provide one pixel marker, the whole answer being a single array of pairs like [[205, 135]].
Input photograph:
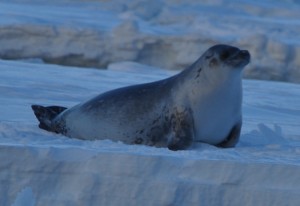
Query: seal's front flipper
[[182, 125], [233, 137], [45, 115]]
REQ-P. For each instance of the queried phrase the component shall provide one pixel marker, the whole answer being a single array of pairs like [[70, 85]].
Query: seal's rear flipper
[[46, 114]]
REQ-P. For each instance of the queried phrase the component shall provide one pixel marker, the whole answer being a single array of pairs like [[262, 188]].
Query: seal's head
[[222, 61]]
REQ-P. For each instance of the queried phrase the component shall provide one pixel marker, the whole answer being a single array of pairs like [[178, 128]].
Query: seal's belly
[[214, 132], [214, 125]]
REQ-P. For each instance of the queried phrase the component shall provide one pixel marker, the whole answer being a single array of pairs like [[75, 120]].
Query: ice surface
[[42, 168], [25, 197], [169, 34]]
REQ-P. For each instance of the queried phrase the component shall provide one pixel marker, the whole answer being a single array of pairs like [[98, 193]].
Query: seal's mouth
[[239, 59]]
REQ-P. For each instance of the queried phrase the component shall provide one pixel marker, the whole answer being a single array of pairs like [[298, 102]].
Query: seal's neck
[[198, 82]]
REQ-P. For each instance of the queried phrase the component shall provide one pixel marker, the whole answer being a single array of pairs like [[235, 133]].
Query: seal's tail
[[45, 115]]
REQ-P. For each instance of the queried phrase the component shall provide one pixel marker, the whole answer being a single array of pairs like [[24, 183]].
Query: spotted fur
[[202, 104]]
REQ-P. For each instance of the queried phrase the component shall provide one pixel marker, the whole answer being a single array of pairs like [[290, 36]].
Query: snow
[[168, 34], [42, 168]]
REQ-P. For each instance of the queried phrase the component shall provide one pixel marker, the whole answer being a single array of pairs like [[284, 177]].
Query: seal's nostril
[[244, 52]]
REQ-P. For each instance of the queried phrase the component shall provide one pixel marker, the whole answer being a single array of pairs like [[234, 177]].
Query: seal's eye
[[225, 55]]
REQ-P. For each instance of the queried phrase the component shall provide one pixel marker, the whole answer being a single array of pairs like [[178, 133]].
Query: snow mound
[[45, 176], [167, 34]]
